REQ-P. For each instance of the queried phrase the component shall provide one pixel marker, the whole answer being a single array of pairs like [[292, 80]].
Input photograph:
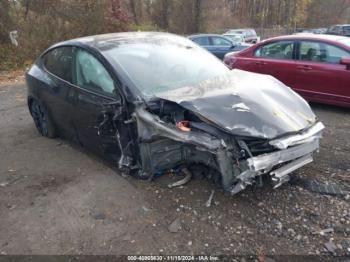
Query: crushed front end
[[238, 132], [163, 145]]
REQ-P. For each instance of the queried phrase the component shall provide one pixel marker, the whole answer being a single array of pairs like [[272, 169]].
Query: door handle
[[260, 63], [305, 67]]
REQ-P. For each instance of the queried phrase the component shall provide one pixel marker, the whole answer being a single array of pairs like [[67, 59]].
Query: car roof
[[232, 34], [341, 25], [240, 29], [200, 35], [309, 37], [105, 41]]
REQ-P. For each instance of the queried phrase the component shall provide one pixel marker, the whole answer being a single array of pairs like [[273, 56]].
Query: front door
[[277, 59], [99, 109]]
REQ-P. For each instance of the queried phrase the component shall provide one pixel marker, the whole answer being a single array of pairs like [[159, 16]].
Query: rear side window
[[276, 50], [201, 41], [59, 62], [321, 52]]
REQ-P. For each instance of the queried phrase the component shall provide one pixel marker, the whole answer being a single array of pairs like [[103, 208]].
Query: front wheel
[[42, 119]]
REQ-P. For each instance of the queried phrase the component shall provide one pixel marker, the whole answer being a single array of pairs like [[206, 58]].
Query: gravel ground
[[56, 198]]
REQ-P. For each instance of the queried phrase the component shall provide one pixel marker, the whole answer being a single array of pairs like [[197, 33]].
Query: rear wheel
[[42, 119]]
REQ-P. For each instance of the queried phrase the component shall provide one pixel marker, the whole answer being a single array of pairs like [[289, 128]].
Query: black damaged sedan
[[150, 102]]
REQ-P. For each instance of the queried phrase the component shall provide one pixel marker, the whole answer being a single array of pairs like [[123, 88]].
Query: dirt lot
[[55, 198]]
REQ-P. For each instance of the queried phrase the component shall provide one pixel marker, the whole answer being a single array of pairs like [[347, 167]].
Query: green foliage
[[42, 23], [10, 57]]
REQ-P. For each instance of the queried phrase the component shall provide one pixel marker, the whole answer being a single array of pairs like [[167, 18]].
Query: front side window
[[276, 50], [219, 41], [90, 74], [203, 41], [59, 62], [321, 52]]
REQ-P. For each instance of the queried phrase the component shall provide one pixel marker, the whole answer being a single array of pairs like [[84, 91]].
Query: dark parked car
[[312, 31], [217, 45], [249, 34], [315, 66], [343, 30], [150, 102]]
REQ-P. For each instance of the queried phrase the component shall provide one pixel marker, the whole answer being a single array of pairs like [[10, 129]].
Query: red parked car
[[315, 66]]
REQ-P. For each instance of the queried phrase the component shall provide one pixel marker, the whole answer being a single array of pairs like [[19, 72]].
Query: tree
[[6, 21]]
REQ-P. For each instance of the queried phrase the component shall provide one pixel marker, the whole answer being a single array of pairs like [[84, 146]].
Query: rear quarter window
[[59, 62]]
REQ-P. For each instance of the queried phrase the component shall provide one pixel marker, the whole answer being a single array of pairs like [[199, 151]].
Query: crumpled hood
[[246, 104]]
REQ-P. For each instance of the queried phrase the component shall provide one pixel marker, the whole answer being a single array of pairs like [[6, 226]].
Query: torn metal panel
[[159, 149], [186, 179], [246, 104], [151, 127]]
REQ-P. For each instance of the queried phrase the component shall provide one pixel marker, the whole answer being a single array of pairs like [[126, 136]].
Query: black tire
[[42, 120]]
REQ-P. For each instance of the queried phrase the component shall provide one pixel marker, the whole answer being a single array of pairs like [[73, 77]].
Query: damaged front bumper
[[297, 152], [163, 146]]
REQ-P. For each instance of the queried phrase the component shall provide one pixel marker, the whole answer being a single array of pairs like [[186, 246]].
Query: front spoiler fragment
[[297, 156], [280, 175], [266, 162]]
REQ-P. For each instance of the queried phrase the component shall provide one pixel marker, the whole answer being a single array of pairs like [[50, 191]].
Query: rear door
[[203, 41], [58, 64], [276, 59], [99, 110], [320, 75]]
